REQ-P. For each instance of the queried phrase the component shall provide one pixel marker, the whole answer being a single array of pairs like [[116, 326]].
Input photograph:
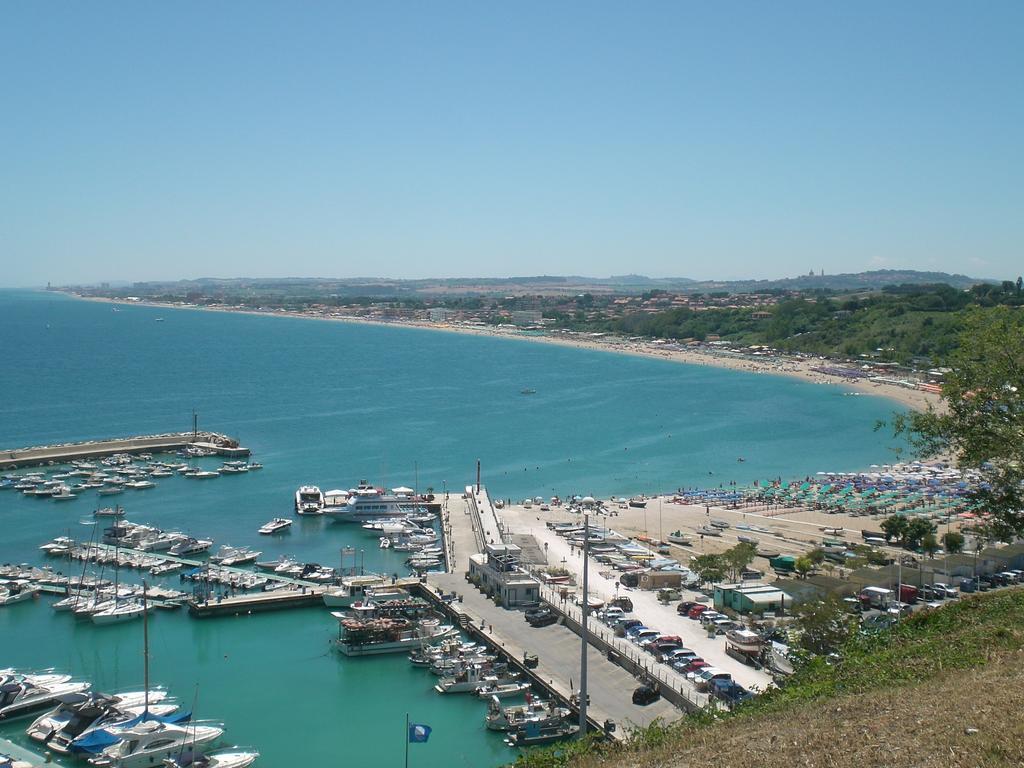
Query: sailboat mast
[[145, 646]]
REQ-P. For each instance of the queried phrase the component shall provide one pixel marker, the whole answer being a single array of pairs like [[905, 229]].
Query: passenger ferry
[[369, 503], [388, 635]]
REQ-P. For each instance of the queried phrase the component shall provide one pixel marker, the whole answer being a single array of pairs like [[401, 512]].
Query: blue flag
[[418, 733]]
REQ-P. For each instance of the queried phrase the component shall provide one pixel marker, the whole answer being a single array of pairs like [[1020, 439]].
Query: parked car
[[705, 678], [622, 602], [611, 615], [644, 634], [538, 611], [684, 607], [694, 665], [945, 590], [542, 619], [678, 654], [646, 694], [696, 611], [731, 692]]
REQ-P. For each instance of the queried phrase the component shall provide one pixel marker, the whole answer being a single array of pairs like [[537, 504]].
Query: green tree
[[803, 566], [823, 625], [929, 544], [953, 541], [895, 528], [710, 568], [917, 529], [816, 556], [982, 419], [738, 558]]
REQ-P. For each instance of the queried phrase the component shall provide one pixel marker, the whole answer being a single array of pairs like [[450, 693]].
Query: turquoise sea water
[[330, 404]]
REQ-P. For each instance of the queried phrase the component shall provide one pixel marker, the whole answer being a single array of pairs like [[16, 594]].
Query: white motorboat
[[309, 500], [17, 591], [544, 713], [62, 493], [230, 556], [189, 546], [471, 678], [80, 711], [115, 511], [110, 490], [356, 588], [19, 696], [226, 759], [202, 474], [151, 741], [277, 525], [502, 690]]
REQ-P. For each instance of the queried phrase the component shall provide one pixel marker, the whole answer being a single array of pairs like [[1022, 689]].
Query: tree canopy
[[982, 423]]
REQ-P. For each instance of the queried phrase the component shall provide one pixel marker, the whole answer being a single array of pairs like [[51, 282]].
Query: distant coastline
[[779, 365]]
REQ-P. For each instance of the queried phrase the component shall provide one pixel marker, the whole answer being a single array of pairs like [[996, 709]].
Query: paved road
[[558, 649]]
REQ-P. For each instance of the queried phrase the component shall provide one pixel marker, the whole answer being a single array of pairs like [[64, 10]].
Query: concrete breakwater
[[222, 445]]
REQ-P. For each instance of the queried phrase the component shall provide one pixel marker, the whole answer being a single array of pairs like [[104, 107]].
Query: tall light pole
[[583, 624]]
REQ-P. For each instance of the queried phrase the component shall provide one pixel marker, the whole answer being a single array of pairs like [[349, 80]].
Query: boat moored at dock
[[388, 635]]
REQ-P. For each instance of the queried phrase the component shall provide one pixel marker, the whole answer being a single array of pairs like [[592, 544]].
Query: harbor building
[[499, 572], [751, 598]]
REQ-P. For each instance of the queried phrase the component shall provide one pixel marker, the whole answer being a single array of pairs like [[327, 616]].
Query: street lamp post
[[583, 631]]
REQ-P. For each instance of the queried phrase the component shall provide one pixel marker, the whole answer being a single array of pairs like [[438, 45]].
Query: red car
[[693, 666], [696, 611]]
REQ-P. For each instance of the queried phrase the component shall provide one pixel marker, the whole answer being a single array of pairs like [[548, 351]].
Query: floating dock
[[257, 602], [222, 445]]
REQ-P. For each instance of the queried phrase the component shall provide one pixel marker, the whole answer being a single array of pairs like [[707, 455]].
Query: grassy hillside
[[944, 688]]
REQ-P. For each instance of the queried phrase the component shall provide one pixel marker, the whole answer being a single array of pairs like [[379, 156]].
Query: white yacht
[[189, 546], [369, 503], [151, 742], [309, 500], [235, 555], [17, 591], [354, 589], [20, 696], [78, 712]]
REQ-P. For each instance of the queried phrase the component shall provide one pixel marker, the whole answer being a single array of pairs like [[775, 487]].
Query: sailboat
[[119, 612]]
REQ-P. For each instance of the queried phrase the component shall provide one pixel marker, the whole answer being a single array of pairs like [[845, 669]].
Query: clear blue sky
[[153, 140]]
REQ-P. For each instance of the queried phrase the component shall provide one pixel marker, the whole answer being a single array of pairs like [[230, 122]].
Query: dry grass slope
[[917, 726], [943, 689]]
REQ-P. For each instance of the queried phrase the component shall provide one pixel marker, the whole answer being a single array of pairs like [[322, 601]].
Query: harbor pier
[[472, 524], [222, 445]]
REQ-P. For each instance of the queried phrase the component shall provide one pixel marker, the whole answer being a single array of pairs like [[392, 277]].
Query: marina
[[274, 416]]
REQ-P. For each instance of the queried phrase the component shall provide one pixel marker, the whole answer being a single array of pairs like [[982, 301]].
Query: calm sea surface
[[330, 404]]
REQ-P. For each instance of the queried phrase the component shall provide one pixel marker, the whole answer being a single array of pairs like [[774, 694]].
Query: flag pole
[[406, 740]]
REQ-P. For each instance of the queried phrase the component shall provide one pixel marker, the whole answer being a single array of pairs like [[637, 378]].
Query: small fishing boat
[[748, 540], [531, 734], [226, 759], [502, 690], [116, 511], [277, 525], [707, 530], [678, 537]]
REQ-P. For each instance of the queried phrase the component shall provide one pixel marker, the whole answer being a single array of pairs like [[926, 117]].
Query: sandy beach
[[798, 368]]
